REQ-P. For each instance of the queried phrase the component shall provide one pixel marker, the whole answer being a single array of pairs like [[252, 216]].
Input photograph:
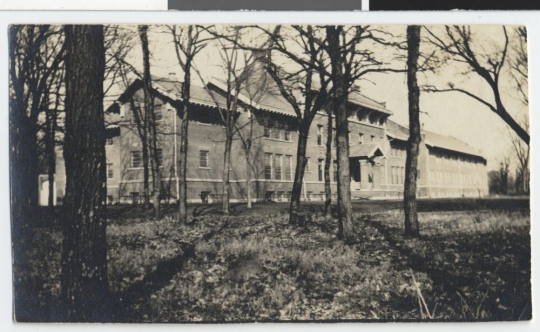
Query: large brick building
[[447, 166]]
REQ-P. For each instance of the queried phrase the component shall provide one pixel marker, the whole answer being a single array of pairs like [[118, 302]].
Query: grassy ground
[[472, 263]]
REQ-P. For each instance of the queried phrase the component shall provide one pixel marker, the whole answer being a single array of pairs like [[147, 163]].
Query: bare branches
[[457, 44]]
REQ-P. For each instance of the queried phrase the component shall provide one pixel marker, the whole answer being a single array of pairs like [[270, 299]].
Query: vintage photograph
[[269, 173]]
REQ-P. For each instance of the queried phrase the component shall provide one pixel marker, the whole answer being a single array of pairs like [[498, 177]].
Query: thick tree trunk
[[151, 116], [303, 132], [84, 251], [411, 165], [327, 165], [227, 166], [345, 219]]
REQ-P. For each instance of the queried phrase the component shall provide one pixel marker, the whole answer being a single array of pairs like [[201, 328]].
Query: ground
[[471, 263]]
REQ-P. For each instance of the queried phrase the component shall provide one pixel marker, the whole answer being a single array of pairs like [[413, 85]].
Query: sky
[[449, 113]]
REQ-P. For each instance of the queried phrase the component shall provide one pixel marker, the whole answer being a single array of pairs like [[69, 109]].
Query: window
[[277, 134], [372, 139], [158, 112], [203, 159], [319, 135], [288, 167], [135, 197], [335, 170], [320, 172], [136, 160], [268, 166], [110, 171], [267, 132], [204, 196], [308, 164], [109, 141], [287, 135], [159, 153], [360, 138], [278, 167]]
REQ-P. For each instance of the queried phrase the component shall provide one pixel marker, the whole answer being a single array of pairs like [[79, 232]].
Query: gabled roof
[[270, 102], [399, 132], [365, 150], [361, 100]]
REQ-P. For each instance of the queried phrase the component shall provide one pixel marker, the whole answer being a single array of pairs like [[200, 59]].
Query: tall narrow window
[[277, 133], [360, 138], [268, 166], [110, 171], [159, 153], [320, 171], [287, 135], [278, 167], [308, 164], [335, 170], [136, 160], [288, 168], [372, 139], [267, 132], [319, 135], [203, 159], [158, 112]]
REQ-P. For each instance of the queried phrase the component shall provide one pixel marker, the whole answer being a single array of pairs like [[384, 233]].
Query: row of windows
[[320, 170], [136, 160], [279, 134], [277, 167], [454, 177], [360, 140], [398, 152]]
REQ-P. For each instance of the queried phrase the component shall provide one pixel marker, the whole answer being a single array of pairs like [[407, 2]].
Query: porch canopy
[[367, 151]]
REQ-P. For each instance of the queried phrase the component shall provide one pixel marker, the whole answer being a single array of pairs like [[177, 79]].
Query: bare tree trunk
[[248, 180], [182, 162], [150, 115], [51, 156], [303, 132], [142, 129], [227, 164], [345, 219], [412, 227], [327, 165], [84, 251]]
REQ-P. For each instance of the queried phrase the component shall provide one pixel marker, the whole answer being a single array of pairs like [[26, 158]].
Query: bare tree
[[522, 155], [458, 43], [84, 249], [519, 64], [35, 53], [188, 42], [238, 65], [412, 227], [150, 121]]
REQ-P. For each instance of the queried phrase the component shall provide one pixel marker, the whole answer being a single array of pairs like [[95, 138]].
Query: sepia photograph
[[165, 173]]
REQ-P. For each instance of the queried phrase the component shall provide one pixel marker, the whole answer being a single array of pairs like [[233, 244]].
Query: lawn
[[472, 263]]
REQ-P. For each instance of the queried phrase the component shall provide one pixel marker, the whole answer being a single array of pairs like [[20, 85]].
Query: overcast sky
[[450, 113]]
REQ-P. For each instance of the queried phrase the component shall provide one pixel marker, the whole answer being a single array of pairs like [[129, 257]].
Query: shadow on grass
[[134, 302], [451, 279]]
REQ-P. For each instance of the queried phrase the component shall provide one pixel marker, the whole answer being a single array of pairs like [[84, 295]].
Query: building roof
[[361, 100], [365, 150], [400, 132], [271, 102]]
